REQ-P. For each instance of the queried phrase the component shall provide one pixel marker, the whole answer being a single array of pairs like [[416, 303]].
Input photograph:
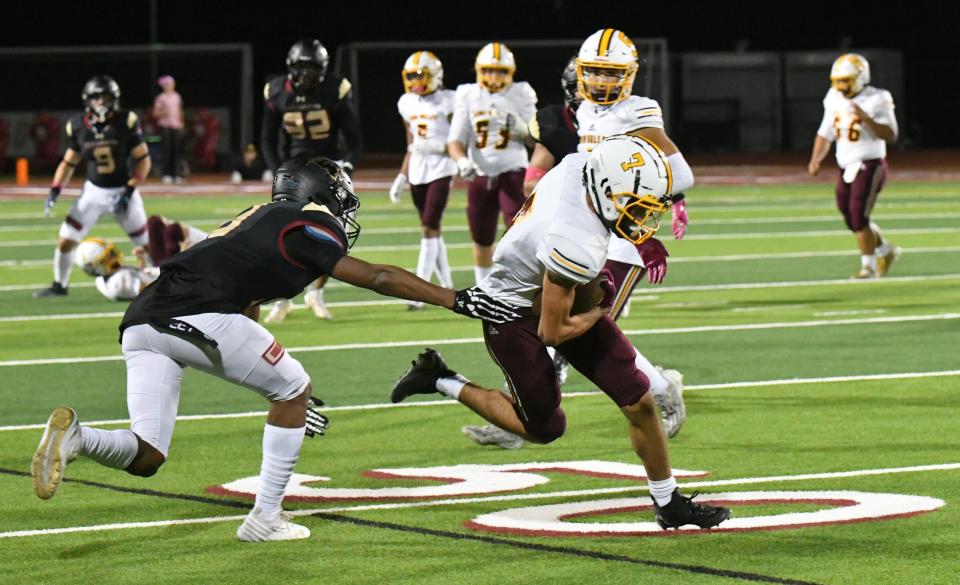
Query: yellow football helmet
[[606, 67], [850, 74], [97, 257], [495, 67], [628, 180], [422, 73]]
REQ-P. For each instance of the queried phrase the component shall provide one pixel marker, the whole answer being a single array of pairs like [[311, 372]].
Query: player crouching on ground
[[202, 312], [558, 243]]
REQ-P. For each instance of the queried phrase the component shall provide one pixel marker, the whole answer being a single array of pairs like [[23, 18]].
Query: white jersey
[[192, 237], [428, 118], [480, 121], [555, 230], [855, 142], [125, 284], [596, 122]]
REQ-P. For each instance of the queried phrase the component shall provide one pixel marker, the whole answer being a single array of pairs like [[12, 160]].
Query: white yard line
[[361, 407], [485, 499]]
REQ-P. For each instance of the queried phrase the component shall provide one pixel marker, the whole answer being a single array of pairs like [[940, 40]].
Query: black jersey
[[312, 122], [106, 147], [555, 127], [270, 251]]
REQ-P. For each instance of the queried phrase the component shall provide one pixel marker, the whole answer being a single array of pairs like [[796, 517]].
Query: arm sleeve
[[346, 120], [460, 125], [269, 135], [566, 258], [682, 173], [316, 246]]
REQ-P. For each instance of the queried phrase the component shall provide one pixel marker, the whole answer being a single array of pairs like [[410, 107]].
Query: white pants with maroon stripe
[[95, 202], [247, 354]]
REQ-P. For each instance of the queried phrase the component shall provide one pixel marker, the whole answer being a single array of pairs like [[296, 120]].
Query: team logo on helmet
[[606, 67], [628, 180], [422, 73], [97, 257], [850, 74], [495, 67]]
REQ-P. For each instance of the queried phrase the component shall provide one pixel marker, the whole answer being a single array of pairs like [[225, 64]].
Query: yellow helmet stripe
[[605, 39], [416, 58], [496, 51]]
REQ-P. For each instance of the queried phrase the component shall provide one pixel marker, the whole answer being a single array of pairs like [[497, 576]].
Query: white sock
[[658, 384], [662, 490], [115, 449], [481, 272], [451, 387], [443, 264], [281, 448], [427, 258], [314, 286], [62, 263], [869, 261]]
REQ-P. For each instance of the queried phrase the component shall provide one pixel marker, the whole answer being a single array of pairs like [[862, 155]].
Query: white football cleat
[[320, 310], [866, 273], [493, 435], [256, 528], [279, 311], [673, 411], [58, 446]]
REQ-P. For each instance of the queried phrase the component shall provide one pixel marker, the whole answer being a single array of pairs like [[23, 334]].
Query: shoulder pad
[[345, 88], [534, 127], [132, 120], [266, 91], [529, 92], [315, 207], [70, 127]]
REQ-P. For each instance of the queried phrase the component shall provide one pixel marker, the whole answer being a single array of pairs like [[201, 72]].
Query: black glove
[[316, 423], [474, 303], [51, 199], [123, 202]]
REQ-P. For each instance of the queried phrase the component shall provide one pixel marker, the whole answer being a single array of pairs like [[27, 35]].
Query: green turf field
[[799, 381]]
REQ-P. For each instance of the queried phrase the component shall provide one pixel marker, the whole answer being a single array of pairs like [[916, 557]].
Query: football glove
[[473, 302], [654, 256], [517, 129], [316, 423], [467, 168], [680, 220], [609, 288], [397, 188], [51, 200], [122, 203]]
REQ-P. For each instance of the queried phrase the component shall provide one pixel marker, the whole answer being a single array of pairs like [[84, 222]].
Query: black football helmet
[[315, 179], [568, 81], [105, 91], [307, 62]]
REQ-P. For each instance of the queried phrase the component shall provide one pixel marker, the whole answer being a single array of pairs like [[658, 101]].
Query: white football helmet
[[628, 180], [98, 257], [850, 74], [422, 73], [495, 67], [606, 67]]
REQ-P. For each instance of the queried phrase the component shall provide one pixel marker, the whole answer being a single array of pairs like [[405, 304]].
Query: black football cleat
[[54, 290], [422, 376], [682, 511]]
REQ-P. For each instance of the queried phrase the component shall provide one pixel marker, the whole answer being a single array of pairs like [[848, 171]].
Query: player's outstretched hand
[[473, 302], [316, 423]]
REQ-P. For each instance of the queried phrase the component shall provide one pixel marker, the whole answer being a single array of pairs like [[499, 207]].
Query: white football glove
[[267, 176], [397, 188], [427, 146], [517, 128], [468, 169]]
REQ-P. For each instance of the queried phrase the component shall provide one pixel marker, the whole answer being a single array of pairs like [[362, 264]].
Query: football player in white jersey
[[426, 109], [487, 136], [559, 242], [861, 120]]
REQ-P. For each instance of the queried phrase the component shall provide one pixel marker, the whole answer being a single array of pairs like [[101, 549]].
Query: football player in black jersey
[[313, 109], [202, 312], [105, 136], [554, 129]]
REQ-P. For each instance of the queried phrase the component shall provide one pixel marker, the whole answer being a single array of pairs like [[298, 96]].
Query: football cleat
[[58, 446], [682, 511], [562, 367], [422, 376], [415, 306], [884, 262], [54, 290], [493, 435], [256, 528], [312, 300], [279, 311], [673, 411], [865, 273]]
